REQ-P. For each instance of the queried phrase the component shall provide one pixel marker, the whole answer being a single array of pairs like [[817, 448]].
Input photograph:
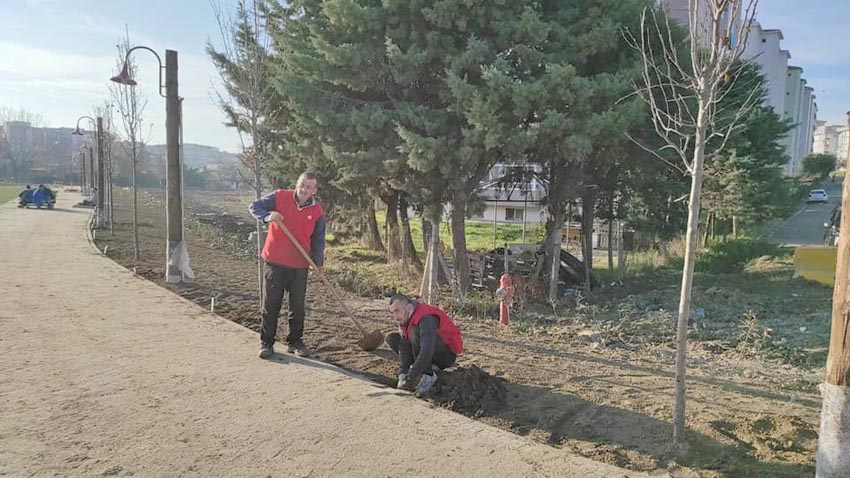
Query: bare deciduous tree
[[131, 103], [16, 147], [105, 112], [689, 95], [244, 96]]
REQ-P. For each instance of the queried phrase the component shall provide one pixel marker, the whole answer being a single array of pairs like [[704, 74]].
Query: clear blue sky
[[816, 34], [56, 56]]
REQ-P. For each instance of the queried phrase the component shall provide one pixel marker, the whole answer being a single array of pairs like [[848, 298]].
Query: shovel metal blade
[[371, 341]]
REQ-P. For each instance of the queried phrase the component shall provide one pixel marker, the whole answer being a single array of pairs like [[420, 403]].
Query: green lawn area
[[9, 192], [479, 234]]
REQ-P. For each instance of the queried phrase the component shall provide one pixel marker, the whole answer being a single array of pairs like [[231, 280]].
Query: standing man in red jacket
[[285, 269], [426, 340]]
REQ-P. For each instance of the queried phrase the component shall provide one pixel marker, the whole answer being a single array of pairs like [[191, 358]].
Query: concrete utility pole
[[176, 258], [81, 154], [92, 169], [174, 175], [101, 172], [833, 461]]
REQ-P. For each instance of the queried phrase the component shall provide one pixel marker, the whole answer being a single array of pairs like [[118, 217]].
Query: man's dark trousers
[[408, 350], [279, 280]]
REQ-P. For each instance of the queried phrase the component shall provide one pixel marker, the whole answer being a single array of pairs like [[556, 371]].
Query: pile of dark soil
[[472, 391]]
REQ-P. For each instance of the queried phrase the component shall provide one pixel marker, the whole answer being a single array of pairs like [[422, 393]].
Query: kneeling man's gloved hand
[[404, 383]]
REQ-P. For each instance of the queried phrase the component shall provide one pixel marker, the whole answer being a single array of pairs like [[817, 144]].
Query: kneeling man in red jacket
[[427, 339]]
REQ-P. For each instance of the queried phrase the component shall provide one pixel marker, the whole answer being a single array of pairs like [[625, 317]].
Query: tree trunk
[[461, 258], [374, 240], [610, 244], [568, 221], [588, 207], [405, 260], [495, 222], [587, 255], [710, 226], [838, 361], [258, 193], [621, 252], [713, 227], [423, 285], [457, 295], [833, 461], [433, 268], [393, 242], [426, 235], [707, 230], [407, 237], [554, 252], [735, 227], [136, 251], [111, 201], [691, 245]]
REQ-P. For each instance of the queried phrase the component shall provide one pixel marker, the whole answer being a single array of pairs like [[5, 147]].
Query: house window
[[513, 214]]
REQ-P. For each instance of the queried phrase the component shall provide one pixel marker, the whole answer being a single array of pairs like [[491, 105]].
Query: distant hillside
[[194, 155]]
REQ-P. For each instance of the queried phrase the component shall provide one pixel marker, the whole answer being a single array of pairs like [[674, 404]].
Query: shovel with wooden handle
[[371, 340]]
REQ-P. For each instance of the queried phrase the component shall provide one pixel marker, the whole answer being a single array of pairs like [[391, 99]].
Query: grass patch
[[756, 310], [644, 263], [9, 192], [480, 236], [734, 255], [791, 315], [366, 272], [236, 246]]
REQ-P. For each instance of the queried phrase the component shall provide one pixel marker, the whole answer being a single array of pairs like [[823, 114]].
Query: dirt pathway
[[108, 374]]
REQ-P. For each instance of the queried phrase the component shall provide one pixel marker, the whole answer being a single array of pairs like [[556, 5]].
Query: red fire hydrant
[[505, 293]]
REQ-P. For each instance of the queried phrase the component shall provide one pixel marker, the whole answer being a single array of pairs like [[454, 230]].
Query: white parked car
[[818, 195]]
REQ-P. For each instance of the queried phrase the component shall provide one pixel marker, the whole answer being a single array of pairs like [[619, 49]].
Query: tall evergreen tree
[[423, 97], [334, 76], [441, 54], [388, 89], [745, 182], [563, 93], [819, 165]]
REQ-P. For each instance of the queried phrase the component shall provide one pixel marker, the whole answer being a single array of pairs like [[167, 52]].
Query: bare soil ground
[[108, 374], [600, 388]]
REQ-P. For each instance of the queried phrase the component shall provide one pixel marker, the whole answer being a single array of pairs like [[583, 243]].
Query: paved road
[[805, 227], [106, 374]]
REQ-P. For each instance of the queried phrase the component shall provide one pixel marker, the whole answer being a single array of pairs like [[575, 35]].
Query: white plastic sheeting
[[180, 259]]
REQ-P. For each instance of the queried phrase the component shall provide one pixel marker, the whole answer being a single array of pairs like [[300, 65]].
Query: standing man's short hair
[[306, 175]]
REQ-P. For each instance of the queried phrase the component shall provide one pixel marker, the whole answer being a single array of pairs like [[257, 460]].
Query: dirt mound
[[472, 391]]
